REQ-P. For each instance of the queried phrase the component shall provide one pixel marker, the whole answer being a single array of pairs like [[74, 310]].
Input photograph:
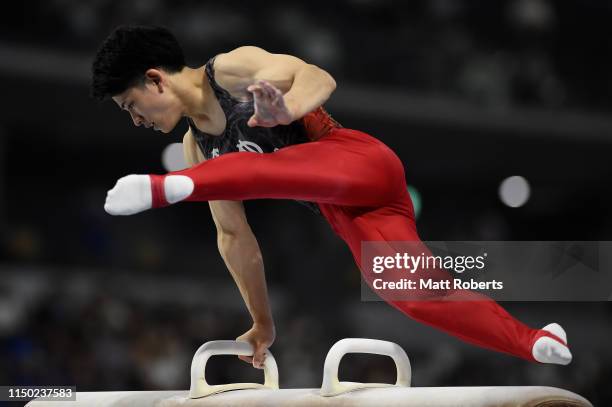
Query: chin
[[167, 128]]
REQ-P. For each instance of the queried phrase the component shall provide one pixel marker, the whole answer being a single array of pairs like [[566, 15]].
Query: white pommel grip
[[332, 386], [199, 386]]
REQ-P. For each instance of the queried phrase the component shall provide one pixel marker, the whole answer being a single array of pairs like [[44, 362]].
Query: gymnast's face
[[152, 102]]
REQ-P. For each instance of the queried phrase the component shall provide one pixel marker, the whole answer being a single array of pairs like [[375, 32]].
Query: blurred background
[[500, 111]]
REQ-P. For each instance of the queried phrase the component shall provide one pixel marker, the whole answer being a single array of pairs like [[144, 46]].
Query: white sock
[[549, 350], [177, 187], [131, 194]]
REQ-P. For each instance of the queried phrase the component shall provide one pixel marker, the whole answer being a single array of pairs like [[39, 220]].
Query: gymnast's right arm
[[242, 255]]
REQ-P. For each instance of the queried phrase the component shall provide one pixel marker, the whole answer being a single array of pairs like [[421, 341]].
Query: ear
[[157, 78]]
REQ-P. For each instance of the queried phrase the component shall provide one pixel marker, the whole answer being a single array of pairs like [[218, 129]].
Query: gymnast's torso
[[238, 136]]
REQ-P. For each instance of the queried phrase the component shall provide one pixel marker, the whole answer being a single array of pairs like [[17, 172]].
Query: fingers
[[270, 109], [257, 360], [266, 90], [274, 94], [247, 359], [257, 91], [255, 120], [252, 121], [259, 357]]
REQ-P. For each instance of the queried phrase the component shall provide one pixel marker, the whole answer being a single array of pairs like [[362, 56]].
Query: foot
[[136, 193], [552, 348]]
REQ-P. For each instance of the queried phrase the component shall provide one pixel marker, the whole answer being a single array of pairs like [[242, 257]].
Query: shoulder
[[243, 53], [241, 67], [234, 70], [238, 61], [245, 60]]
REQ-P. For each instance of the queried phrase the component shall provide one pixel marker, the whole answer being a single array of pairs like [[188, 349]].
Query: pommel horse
[[333, 393]]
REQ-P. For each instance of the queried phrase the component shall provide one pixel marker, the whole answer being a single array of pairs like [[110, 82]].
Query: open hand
[[270, 107], [261, 337]]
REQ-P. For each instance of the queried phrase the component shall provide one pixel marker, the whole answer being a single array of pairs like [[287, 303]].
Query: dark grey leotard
[[237, 136]]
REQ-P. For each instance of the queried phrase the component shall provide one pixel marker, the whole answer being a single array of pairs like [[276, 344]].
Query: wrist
[[293, 107], [265, 323]]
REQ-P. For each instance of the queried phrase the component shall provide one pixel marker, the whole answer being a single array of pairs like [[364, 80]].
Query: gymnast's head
[[137, 67]]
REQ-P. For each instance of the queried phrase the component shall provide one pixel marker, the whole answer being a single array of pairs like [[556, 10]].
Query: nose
[[137, 119]]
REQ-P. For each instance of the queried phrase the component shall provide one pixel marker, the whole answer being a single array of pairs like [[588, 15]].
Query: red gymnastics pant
[[360, 187]]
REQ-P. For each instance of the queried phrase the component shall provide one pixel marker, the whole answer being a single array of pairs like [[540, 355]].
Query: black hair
[[127, 53]]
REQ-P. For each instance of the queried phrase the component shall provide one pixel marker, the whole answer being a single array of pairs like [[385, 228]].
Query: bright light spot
[[172, 157], [514, 191]]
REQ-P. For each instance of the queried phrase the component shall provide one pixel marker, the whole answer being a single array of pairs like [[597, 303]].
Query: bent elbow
[[332, 84], [323, 78]]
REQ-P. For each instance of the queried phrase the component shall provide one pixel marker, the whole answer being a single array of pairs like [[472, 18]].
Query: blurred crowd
[[97, 332], [503, 53]]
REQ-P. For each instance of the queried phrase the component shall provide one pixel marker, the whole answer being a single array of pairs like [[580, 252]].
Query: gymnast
[[258, 129]]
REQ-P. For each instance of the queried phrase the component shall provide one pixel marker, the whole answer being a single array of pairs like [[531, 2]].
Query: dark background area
[[467, 93]]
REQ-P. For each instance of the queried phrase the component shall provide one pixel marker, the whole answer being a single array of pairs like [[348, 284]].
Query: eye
[[130, 106]]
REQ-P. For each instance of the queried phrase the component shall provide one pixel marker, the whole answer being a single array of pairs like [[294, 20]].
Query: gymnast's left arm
[[311, 87], [284, 87]]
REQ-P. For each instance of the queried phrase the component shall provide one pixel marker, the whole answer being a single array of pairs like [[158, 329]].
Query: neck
[[195, 93]]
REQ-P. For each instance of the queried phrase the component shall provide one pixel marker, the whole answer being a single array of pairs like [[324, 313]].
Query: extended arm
[[240, 251]]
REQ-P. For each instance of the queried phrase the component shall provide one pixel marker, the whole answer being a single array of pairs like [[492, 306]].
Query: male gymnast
[[257, 129]]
